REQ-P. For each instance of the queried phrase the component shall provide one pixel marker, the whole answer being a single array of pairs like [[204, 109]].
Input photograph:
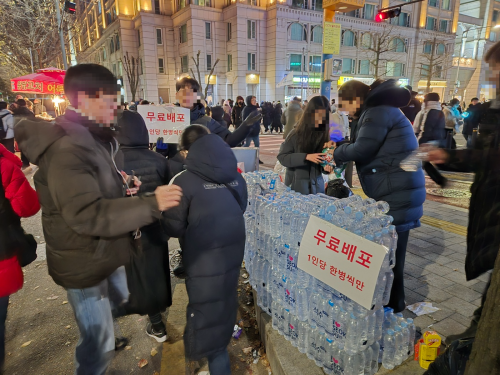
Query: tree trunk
[[485, 356]]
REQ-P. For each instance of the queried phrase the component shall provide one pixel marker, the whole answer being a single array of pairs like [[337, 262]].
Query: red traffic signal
[[69, 7], [386, 14]]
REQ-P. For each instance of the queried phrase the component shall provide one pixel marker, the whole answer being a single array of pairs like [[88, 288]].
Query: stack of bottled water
[[337, 333]]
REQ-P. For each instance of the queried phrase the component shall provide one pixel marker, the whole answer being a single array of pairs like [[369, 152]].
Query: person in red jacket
[[17, 199]]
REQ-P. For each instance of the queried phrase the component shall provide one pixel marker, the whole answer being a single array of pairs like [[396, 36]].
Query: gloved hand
[[254, 117], [160, 145]]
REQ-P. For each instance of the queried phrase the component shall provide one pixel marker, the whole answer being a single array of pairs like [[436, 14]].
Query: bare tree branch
[[132, 69], [210, 76]]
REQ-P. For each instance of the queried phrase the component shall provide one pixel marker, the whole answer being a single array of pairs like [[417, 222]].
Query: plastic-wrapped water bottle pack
[[337, 333]]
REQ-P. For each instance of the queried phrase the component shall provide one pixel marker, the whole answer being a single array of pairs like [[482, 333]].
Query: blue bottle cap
[[390, 332], [397, 329], [329, 340], [330, 302], [359, 215], [348, 210]]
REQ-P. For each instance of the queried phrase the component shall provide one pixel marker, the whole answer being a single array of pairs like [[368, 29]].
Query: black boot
[[179, 271]]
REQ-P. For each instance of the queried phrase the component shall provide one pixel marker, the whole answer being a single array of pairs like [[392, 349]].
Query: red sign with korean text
[[347, 262], [164, 121]]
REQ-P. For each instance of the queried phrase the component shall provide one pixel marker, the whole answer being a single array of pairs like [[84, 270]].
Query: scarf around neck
[[421, 118]]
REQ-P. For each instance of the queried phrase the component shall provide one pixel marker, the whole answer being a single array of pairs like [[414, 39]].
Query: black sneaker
[[159, 334], [179, 271], [120, 343], [261, 162]]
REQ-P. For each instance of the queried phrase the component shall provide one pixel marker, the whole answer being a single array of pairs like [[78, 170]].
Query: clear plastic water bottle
[[375, 347], [368, 361], [352, 339], [405, 332], [379, 315], [320, 349], [389, 350], [411, 336], [354, 364], [398, 337], [315, 312], [302, 301], [286, 323], [388, 287], [303, 336], [313, 344], [276, 313], [372, 323], [293, 329], [328, 364], [341, 327]]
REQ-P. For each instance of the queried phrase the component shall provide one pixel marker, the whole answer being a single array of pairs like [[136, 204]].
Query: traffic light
[[386, 14], [69, 7]]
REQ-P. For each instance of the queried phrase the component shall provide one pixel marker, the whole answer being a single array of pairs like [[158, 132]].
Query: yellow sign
[[343, 5], [252, 79], [331, 38], [213, 79], [423, 83]]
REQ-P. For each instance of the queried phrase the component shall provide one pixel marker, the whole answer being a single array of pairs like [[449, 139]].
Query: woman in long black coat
[[148, 273], [209, 221]]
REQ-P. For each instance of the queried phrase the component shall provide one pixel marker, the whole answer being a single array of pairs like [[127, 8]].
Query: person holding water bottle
[[301, 152], [382, 138]]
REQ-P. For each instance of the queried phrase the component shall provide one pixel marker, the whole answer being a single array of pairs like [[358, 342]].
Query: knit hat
[[431, 97]]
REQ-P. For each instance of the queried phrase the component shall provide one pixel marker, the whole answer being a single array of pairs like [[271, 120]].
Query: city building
[[268, 48]]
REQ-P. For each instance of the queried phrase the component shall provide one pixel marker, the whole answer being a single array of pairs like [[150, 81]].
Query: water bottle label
[[272, 184]]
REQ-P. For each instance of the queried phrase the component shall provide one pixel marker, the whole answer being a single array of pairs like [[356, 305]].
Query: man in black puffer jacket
[[248, 112], [210, 223], [148, 273]]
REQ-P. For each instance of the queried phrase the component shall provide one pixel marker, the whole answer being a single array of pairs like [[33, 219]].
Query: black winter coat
[[384, 137], [471, 122], [237, 115], [86, 219], [411, 110], [483, 232], [434, 127], [148, 274], [255, 129], [209, 221]]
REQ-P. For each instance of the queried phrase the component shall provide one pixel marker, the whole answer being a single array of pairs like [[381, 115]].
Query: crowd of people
[[110, 203]]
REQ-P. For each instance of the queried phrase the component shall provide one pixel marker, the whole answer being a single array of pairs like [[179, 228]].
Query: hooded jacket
[[209, 221], [237, 115], [17, 199], [218, 115], [87, 221], [383, 138], [148, 273], [471, 122], [291, 116], [411, 110], [255, 129], [233, 139], [7, 121]]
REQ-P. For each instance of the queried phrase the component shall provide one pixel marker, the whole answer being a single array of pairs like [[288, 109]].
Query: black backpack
[[3, 132]]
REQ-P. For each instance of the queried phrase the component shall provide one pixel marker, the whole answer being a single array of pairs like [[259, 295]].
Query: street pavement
[[39, 314]]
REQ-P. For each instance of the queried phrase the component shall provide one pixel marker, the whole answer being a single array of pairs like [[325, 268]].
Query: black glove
[[252, 118]]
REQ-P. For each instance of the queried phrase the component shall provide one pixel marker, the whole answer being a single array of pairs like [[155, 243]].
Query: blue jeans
[[4, 304], [255, 140], [218, 363], [92, 308]]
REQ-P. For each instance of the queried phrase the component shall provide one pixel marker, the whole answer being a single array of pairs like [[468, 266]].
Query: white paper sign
[[341, 259], [165, 121]]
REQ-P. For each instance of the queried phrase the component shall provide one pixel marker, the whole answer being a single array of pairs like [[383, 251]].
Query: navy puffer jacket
[[209, 221], [384, 138]]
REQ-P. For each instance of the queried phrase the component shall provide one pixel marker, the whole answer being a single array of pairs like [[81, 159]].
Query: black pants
[[453, 142], [397, 301], [4, 304], [9, 144]]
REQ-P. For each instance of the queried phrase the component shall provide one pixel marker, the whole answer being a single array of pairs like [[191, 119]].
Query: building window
[[434, 3], [182, 4], [229, 31], [251, 61], [184, 64], [208, 34], [251, 29], [402, 20], [108, 18], [438, 72], [494, 19], [113, 13], [369, 12], [114, 70], [431, 23], [295, 62], [353, 13], [443, 26], [184, 36], [366, 40], [395, 69], [348, 38], [299, 4], [161, 66], [99, 9], [104, 54], [209, 62], [159, 39], [364, 67], [91, 17], [157, 6], [229, 63], [298, 32], [398, 45], [317, 34], [117, 42], [120, 68], [428, 47], [252, 2], [493, 37], [424, 71], [111, 46], [441, 49], [141, 67], [317, 5], [348, 66], [446, 5], [315, 64], [139, 37]]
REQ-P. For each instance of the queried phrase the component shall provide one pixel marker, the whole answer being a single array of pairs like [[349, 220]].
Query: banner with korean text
[[331, 38], [165, 121], [341, 259]]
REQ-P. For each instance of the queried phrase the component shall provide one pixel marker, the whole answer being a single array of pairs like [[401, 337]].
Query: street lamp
[[461, 41]]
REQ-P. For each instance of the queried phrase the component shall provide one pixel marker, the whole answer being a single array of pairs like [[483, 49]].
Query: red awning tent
[[44, 81]]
